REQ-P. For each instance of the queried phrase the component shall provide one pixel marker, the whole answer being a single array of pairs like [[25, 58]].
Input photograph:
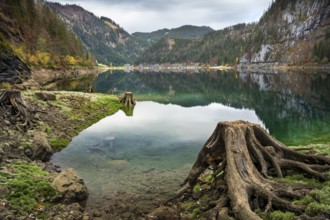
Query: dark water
[[177, 112]]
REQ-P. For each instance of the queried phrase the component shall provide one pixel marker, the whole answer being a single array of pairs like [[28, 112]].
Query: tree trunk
[[128, 99], [13, 106], [243, 155]]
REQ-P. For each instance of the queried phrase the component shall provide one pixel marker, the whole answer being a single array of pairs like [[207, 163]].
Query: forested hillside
[[103, 37], [188, 32], [290, 32], [217, 47], [30, 31]]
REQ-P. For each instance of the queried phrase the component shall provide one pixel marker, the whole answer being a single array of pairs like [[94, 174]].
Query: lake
[[149, 150]]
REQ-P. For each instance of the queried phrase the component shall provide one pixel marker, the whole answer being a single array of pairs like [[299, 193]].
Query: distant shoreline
[[196, 67]]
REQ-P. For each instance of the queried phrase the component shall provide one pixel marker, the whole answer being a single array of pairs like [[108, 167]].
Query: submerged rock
[[118, 165], [71, 186]]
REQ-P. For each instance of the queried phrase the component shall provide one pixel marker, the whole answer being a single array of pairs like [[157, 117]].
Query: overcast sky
[[151, 15]]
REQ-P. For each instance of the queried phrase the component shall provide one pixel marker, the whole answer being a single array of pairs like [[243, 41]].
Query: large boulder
[[71, 186], [45, 96], [41, 149]]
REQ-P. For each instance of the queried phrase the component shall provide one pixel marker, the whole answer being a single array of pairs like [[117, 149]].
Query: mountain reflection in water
[[294, 107]]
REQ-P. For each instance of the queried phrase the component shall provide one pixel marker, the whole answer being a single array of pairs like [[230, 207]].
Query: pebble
[[85, 217]]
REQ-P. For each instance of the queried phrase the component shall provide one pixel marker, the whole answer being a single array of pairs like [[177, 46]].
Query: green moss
[[208, 177], [28, 186], [304, 201], [5, 85], [320, 202], [204, 201], [195, 213], [48, 129], [80, 110], [318, 148], [322, 195], [316, 208], [299, 179], [188, 206], [59, 143], [197, 188], [91, 111], [279, 215]]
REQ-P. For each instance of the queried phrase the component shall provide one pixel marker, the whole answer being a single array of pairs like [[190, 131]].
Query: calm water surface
[[151, 151]]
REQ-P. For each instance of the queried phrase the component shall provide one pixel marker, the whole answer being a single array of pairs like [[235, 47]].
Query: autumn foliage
[[39, 37]]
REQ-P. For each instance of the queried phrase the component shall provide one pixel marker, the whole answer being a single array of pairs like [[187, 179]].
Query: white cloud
[[151, 15]]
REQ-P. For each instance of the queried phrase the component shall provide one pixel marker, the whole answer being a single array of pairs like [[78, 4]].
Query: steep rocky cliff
[[13, 69], [103, 37], [289, 32]]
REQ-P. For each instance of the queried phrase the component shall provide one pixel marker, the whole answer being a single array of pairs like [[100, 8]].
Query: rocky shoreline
[[30, 186]]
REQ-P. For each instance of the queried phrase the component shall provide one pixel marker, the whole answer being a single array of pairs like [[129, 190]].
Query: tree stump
[[243, 156], [13, 106], [128, 99]]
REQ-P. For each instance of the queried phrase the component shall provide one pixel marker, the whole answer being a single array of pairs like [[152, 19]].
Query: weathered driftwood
[[14, 107], [128, 99], [243, 157]]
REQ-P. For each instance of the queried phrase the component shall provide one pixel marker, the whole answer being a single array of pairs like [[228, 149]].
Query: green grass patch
[[279, 215], [320, 203], [197, 188], [28, 186], [59, 143], [299, 179], [91, 110], [318, 148], [195, 213]]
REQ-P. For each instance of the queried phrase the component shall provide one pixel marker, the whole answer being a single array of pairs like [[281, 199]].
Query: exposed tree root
[[13, 106], [243, 157]]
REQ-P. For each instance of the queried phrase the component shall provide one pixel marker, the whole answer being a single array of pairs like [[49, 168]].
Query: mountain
[[216, 47], [31, 34], [187, 32], [290, 32], [103, 37]]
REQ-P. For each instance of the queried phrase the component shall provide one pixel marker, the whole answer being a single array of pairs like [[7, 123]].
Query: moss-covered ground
[[28, 186], [24, 187], [70, 113]]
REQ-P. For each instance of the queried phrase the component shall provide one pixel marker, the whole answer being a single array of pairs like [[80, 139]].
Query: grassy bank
[[70, 113]]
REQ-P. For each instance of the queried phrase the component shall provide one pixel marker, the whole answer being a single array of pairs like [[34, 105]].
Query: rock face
[[288, 32], [12, 69], [71, 186]]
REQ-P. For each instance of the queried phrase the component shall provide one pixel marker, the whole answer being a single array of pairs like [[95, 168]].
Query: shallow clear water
[[151, 152], [158, 144]]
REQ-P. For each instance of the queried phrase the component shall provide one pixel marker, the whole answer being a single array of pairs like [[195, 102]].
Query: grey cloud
[[149, 15]]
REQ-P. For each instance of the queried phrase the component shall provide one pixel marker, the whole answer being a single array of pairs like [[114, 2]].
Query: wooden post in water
[[128, 99]]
